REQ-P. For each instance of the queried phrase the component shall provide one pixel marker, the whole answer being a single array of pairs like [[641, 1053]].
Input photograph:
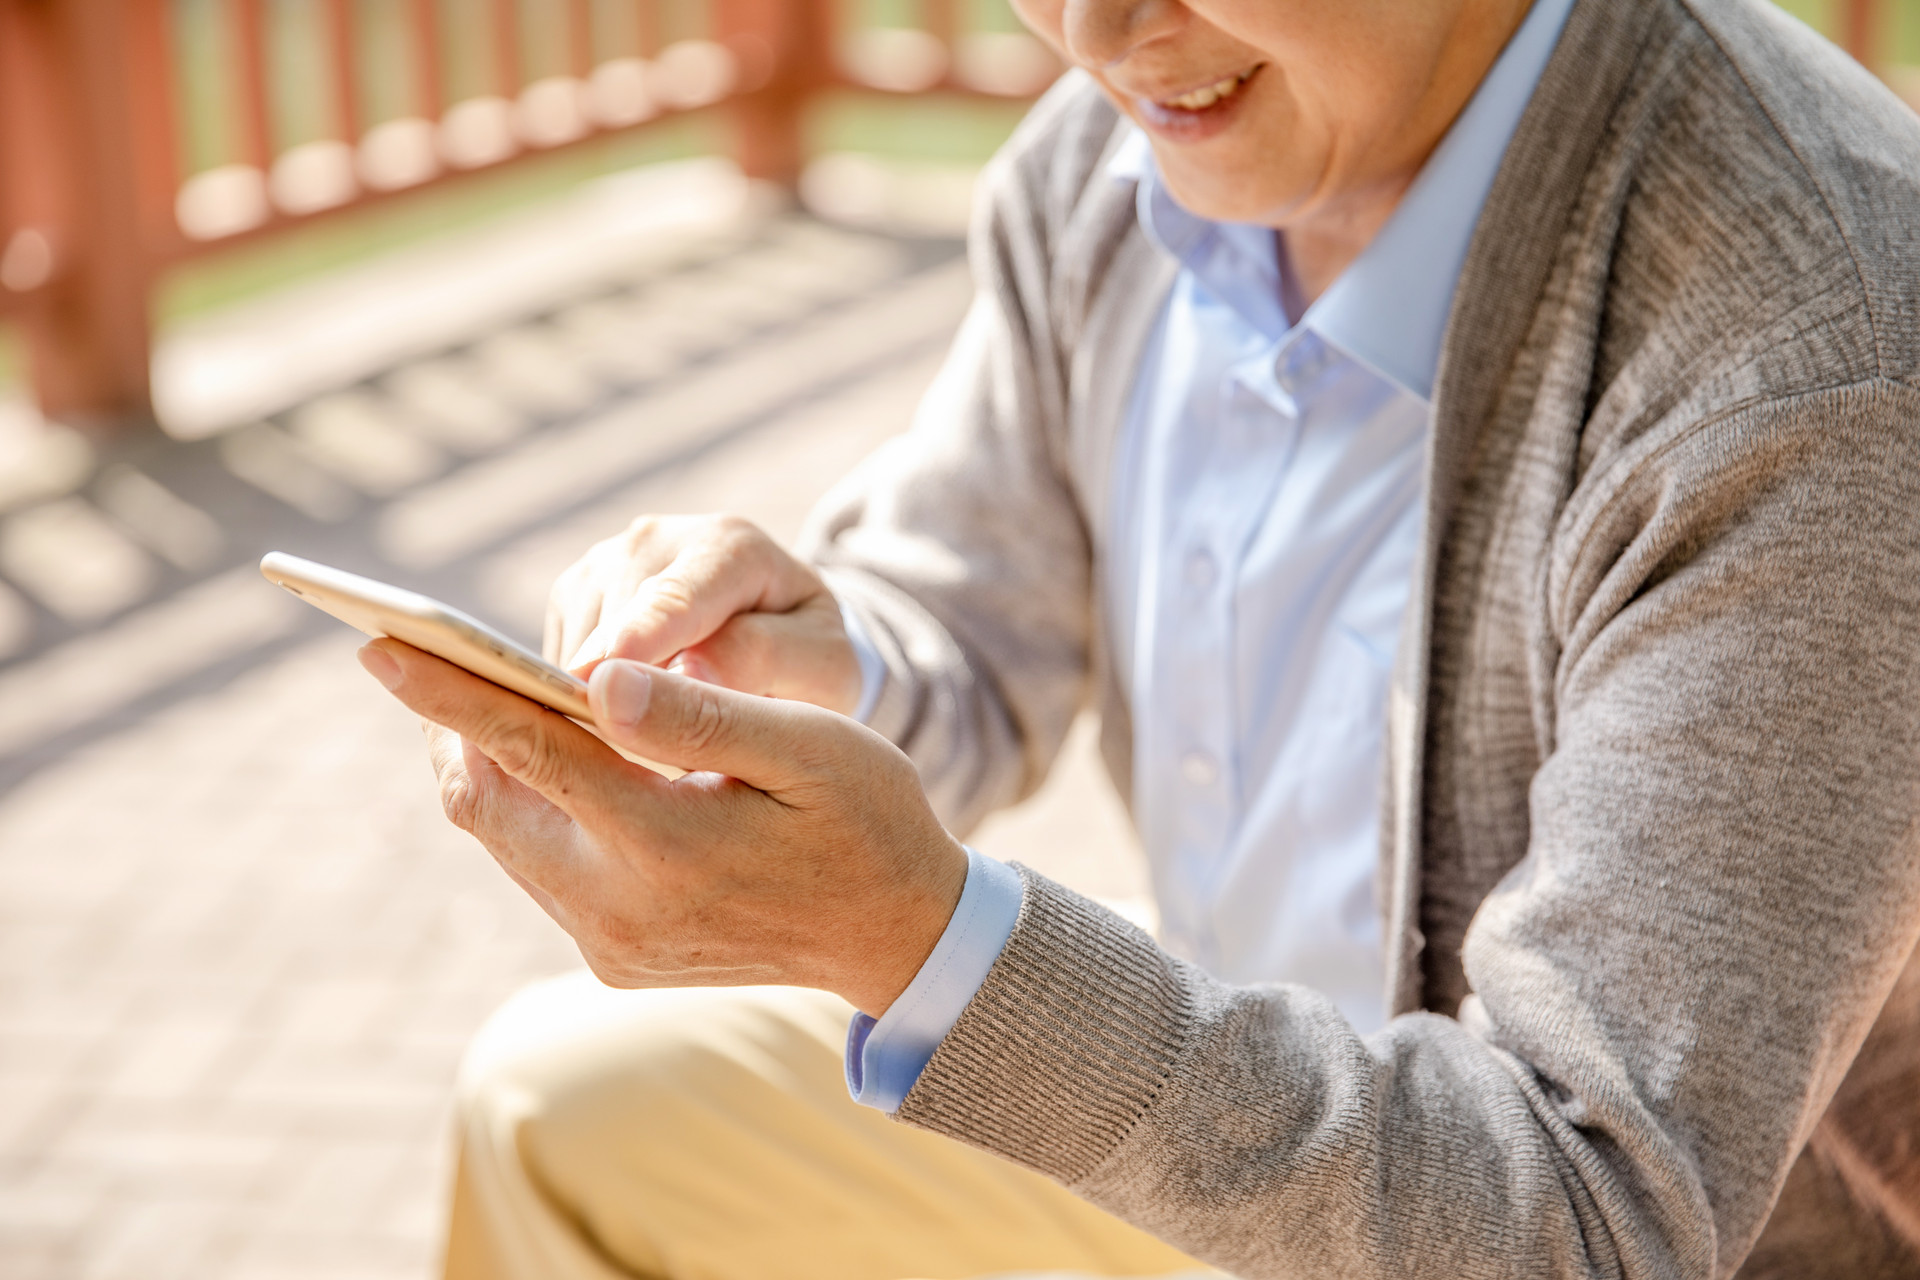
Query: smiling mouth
[[1207, 95]]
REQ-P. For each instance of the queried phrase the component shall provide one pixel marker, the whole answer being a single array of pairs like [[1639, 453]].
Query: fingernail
[[381, 666], [623, 690]]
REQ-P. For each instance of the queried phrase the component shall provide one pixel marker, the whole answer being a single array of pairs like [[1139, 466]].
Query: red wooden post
[[155, 129], [580, 57], [256, 128], [942, 18], [90, 77], [346, 70], [36, 196], [782, 50], [943, 24], [646, 27], [429, 82], [507, 74], [1860, 31]]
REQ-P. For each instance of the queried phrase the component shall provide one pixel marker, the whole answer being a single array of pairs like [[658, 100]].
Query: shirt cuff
[[884, 1058], [873, 668]]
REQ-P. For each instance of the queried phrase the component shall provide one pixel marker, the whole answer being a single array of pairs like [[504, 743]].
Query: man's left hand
[[799, 850]]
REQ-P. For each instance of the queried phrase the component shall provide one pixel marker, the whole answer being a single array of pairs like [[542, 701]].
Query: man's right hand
[[710, 596]]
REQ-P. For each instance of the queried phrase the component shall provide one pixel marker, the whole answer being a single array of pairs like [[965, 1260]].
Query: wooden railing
[[97, 200]]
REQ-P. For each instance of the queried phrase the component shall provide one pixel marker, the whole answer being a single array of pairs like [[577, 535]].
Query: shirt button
[[1300, 365], [1201, 569], [1199, 768]]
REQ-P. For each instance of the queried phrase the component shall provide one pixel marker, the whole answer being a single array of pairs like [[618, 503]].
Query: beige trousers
[[707, 1135]]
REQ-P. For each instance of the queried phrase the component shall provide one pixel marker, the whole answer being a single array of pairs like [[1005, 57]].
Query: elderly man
[[1569, 352]]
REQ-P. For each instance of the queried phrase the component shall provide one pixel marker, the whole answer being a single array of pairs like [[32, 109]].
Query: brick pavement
[[240, 950]]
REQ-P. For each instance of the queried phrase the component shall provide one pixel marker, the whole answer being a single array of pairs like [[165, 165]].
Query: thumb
[[766, 743]]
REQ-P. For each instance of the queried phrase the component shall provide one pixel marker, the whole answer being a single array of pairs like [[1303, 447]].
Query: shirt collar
[[1234, 260], [1389, 308]]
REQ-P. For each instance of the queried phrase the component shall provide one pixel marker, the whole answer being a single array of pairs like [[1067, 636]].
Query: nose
[[1100, 33]]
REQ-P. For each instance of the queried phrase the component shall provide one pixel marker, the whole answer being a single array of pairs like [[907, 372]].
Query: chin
[[1218, 197]]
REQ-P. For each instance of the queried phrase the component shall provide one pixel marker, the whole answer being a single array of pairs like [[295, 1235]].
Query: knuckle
[[668, 597], [706, 721], [748, 544], [736, 529], [518, 747], [460, 800]]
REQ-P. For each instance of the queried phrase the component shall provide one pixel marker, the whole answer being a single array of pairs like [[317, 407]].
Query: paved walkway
[[240, 950]]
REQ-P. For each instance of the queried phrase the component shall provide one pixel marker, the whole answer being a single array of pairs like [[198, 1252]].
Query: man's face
[[1274, 111]]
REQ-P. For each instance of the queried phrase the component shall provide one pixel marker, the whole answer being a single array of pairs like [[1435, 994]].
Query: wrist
[[879, 967]]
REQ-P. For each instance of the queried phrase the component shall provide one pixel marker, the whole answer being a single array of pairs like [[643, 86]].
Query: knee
[[547, 1041], [571, 1045], [510, 1045]]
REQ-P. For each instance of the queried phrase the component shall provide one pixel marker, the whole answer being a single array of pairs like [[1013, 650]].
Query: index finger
[[575, 771], [691, 598]]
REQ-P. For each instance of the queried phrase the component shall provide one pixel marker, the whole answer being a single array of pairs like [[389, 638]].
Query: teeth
[[1201, 99]]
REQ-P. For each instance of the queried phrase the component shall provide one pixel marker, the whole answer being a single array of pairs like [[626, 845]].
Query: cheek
[[1046, 19]]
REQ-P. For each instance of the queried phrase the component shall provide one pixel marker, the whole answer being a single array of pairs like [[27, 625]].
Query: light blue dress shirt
[[1266, 519]]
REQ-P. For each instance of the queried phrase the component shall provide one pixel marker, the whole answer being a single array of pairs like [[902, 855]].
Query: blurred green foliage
[[1812, 12], [944, 129], [977, 15], [1902, 38]]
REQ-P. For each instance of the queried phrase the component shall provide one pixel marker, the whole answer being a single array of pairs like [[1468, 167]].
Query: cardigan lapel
[[1502, 287]]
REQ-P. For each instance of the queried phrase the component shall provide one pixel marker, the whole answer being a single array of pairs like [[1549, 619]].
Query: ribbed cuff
[[1066, 1043]]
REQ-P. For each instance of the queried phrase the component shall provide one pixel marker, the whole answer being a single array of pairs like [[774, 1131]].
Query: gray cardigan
[[1650, 868]]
